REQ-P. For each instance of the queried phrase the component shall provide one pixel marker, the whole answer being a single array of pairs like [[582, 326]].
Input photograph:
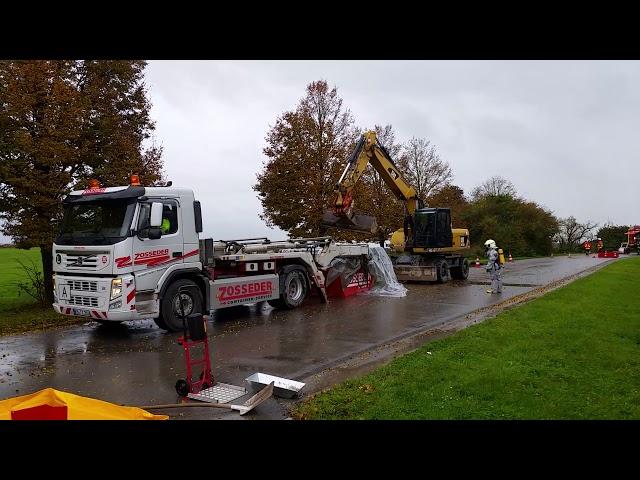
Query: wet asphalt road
[[138, 364]]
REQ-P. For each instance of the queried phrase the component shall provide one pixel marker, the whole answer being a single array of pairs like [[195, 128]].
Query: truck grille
[[81, 261], [83, 286], [83, 301]]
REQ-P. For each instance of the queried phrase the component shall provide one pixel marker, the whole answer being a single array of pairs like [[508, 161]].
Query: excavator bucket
[[357, 223]]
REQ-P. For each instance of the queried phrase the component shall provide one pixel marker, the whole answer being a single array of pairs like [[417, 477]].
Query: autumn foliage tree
[[62, 122], [306, 150]]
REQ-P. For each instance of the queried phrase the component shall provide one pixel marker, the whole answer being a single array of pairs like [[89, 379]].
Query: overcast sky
[[564, 132]]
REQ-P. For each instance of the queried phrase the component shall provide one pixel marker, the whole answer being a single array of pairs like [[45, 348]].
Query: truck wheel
[[170, 306], [461, 272], [293, 288], [182, 388], [442, 271]]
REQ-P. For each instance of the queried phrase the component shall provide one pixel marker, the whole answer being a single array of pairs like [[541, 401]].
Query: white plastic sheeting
[[380, 266]]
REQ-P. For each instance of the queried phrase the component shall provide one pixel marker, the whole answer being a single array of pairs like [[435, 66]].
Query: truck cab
[[111, 257]]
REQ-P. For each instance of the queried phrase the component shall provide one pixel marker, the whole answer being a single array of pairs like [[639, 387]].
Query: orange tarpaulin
[[50, 404]]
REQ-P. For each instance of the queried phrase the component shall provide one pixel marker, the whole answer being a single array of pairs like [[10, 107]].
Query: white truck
[[123, 252]]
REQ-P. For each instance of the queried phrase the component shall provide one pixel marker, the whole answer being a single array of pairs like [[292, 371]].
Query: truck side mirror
[[156, 215], [197, 215], [155, 233]]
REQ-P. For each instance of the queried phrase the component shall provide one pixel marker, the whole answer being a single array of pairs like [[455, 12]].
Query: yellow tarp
[[78, 408]]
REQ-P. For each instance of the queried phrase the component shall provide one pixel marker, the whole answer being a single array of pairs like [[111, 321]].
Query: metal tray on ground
[[219, 393], [282, 387]]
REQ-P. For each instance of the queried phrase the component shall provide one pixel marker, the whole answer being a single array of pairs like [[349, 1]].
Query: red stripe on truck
[[123, 262], [132, 294], [162, 261], [152, 260]]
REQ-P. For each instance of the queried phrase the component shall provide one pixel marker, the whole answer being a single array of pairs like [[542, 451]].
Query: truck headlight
[[116, 288]]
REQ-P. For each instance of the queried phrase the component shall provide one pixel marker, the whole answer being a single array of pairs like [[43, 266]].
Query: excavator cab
[[432, 228]]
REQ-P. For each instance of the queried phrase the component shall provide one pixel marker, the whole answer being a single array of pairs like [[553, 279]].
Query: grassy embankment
[[571, 354]]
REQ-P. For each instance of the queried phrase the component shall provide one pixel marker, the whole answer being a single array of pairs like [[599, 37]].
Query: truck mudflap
[[229, 292], [421, 273]]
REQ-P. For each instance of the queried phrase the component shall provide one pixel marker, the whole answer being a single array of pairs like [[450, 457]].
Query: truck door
[[151, 257]]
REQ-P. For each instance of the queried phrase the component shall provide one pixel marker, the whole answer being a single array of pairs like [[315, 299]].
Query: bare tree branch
[[425, 170], [572, 233]]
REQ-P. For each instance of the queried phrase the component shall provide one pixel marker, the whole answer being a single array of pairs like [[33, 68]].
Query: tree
[[424, 168], [450, 196], [518, 226], [613, 235], [572, 234], [375, 198], [495, 186], [62, 122], [306, 150]]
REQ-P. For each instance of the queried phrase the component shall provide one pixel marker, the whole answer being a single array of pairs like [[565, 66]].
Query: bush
[[34, 285]]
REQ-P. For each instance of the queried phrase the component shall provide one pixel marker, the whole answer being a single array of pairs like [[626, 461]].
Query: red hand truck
[[194, 329]]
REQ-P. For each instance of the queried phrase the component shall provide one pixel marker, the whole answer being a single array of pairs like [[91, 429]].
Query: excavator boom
[[368, 150]]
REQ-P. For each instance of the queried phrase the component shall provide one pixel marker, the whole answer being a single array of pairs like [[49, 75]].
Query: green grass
[[11, 273], [571, 354], [18, 311]]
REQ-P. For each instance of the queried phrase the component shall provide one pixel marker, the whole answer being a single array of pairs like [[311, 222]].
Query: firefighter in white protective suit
[[494, 266]]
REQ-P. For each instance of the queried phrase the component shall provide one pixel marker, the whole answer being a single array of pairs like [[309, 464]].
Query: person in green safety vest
[[165, 226]]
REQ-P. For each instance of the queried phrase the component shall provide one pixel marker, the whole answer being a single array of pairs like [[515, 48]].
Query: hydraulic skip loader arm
[[368, 150]]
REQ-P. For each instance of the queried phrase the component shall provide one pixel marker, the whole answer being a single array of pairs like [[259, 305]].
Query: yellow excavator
[[427, 248]]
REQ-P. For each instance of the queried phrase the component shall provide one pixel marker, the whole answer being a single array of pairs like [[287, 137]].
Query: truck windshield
[[96, 223]]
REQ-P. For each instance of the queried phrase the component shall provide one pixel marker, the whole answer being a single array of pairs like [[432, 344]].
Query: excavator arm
[[368, 150]]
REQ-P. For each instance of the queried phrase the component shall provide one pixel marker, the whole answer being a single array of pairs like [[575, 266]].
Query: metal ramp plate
[[219, 393]]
